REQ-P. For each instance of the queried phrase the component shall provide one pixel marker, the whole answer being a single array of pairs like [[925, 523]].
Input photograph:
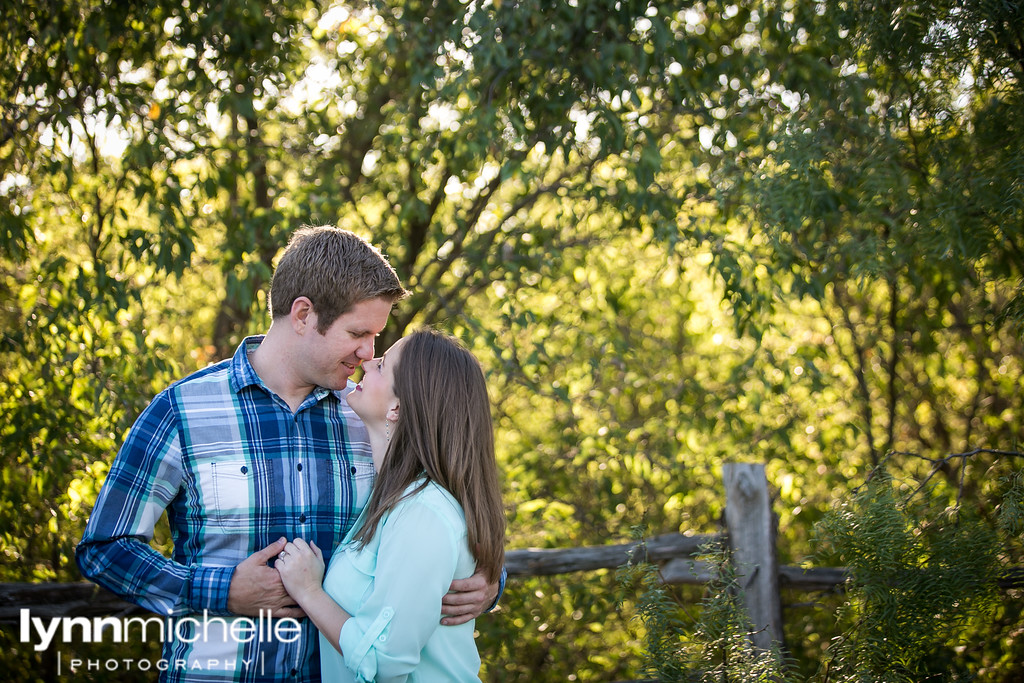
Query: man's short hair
[[335, 269]]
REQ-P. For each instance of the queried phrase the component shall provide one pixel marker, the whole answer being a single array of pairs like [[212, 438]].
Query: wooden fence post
[[752, 530]]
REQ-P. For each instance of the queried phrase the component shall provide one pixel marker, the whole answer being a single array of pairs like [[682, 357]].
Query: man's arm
[[145, 478], [469, 598], [250, 587]]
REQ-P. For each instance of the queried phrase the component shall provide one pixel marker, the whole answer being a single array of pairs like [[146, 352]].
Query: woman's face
[[374, 396]]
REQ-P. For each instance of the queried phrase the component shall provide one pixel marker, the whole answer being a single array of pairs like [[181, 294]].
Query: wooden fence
[[751, 532]]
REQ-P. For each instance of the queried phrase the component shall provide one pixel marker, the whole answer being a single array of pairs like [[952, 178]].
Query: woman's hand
[[301, 566]]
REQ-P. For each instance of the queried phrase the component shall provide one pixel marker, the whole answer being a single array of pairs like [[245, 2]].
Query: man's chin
[[345, 379]]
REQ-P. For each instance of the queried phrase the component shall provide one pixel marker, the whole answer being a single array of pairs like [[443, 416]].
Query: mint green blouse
[[392, 588]]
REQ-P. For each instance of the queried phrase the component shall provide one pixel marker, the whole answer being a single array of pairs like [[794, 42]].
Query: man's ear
[[302, 315]]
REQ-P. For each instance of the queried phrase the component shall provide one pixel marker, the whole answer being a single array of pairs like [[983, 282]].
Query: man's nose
[[365, 351]]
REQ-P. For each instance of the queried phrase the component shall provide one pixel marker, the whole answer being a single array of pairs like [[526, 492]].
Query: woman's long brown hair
[[444, 432]]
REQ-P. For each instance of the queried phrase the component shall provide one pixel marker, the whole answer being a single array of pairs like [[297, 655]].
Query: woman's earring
[[387, 431]]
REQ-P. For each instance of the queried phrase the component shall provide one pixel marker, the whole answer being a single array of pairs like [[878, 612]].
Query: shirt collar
[[243, 375]]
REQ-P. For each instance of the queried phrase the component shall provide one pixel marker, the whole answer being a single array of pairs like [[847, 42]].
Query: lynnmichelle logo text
[[188, 629]]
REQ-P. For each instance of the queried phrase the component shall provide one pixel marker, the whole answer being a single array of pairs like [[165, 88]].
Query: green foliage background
[[675, 233]]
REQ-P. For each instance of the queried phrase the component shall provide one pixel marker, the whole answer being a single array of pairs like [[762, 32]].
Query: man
[[244, 455]]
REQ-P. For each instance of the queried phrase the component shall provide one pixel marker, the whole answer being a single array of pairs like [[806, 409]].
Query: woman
[[436, 497]]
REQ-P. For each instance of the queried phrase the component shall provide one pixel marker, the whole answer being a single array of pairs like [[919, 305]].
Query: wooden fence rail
[[751, 536]]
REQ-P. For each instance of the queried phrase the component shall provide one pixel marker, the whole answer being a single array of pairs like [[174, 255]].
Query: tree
[[157, 154], [884, 208], [879, 190], [674, 234]]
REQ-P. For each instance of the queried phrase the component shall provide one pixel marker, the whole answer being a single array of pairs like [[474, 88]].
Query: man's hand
[[256, 585], [467, 599]]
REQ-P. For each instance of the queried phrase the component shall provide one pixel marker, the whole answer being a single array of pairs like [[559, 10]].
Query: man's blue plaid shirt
[[235, 470]]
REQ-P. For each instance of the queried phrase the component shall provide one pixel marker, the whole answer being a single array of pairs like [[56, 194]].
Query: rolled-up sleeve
[[416, 562]]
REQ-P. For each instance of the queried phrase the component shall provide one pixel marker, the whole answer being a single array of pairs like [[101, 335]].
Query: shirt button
[[382, 638], [302, 518], [353, 470], [245, 469], [299, 467]]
